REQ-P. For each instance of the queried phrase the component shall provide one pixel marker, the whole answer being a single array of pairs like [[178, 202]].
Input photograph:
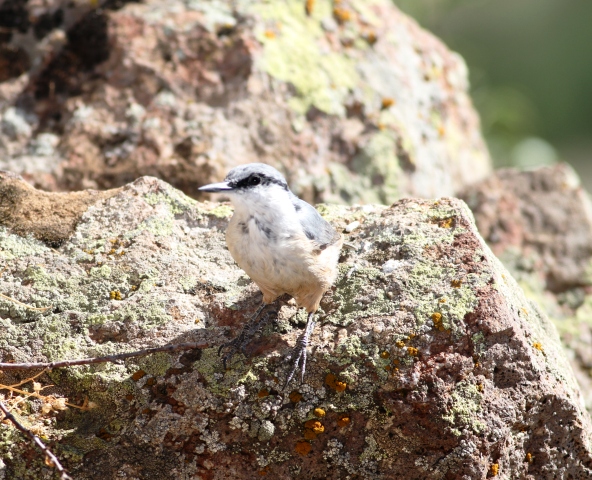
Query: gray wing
[[315, 227]]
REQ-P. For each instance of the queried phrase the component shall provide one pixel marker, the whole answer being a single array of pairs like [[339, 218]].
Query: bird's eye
[[254, 181]]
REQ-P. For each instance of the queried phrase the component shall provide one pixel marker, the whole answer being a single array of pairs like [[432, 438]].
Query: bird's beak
[[216, 187]]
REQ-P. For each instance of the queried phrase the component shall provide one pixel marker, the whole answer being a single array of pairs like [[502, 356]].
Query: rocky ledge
[[428, 361]]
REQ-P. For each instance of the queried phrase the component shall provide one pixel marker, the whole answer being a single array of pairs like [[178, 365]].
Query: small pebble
[[352, 226]]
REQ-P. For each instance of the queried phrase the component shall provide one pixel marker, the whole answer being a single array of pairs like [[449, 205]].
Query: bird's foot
[[250, 330], [298, 355]]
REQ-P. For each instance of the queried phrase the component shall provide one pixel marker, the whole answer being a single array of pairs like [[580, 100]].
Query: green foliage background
[[530, 65]]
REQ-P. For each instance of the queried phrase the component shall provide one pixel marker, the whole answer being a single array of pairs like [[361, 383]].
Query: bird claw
[[238, 345], [298, 355]]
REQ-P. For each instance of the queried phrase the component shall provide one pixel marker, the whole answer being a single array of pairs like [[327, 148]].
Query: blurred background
[[530, 64]]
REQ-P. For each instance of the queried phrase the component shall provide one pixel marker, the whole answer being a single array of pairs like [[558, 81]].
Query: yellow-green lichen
[[429, 286], [479, 342], [292, 53], [159, 225], [219, 382], [14, 246], [356, 297], [221, 211], [378, 165], [175, 200], [156, 364], [464, 411], [372, 450], [350, 348], [104, 271]]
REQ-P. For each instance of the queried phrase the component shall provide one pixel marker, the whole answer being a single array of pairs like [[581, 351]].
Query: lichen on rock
[[427, 355], [353, 101]]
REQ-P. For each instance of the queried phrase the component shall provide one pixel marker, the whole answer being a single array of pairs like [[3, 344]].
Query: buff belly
[[283, 264]]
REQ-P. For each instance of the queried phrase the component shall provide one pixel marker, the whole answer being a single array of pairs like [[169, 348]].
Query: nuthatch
[[282, 243]]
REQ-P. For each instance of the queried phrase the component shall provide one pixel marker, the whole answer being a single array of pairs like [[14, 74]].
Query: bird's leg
[[251, 328], [298, 355]]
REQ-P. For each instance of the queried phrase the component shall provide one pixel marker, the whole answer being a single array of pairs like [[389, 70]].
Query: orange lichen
[[319, 412], [387, 102], [295, 396], [441, 130], [385, 355], [412, 351], [343, 421], [400, 343], [446, 223], [480, 387], [442, 300], [494, 469], [263, 393], [456, 283], [269, 34], [538, 346], [437, 319], [303, 447], [371, 38], [139, 374], [115, 295], [529, 457], [332, 382], [314, 425], [309, 7], [312, 429], [342, 15]]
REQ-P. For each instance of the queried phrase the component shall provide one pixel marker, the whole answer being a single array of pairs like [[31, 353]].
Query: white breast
[[267, 241]]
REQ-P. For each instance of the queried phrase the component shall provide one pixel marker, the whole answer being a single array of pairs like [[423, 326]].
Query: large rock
[[428, 360], [352, 99], [539, 223], [541, 219]]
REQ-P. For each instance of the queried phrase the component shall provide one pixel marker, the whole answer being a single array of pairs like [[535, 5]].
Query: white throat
[[270, 206]]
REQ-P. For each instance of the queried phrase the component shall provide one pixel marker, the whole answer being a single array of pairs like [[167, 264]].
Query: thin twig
[[50, 459], [39, 309], [109, 358]]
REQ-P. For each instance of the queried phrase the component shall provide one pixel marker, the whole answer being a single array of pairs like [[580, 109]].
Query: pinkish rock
[[354, 102], [428, 360], [539, 223]]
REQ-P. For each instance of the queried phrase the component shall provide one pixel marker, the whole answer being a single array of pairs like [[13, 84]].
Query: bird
[[283, 244]]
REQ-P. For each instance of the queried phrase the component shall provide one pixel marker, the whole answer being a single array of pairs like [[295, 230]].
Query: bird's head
[[253, 183]]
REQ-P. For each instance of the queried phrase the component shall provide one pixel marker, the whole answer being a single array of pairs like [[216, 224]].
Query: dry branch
[[108, 358], [50, 459]]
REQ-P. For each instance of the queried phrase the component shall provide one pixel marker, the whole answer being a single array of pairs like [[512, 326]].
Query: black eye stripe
[[257, 179]]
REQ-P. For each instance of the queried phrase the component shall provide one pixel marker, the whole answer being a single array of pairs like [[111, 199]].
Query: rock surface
[[539, 223], [352, 100], [428, 362]]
